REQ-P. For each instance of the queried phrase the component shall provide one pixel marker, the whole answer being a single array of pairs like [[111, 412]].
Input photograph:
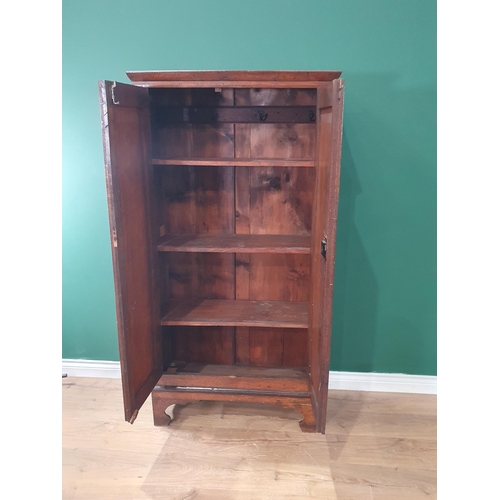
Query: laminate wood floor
[[377, 446]]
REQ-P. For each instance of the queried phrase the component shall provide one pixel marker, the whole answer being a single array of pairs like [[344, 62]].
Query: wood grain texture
[[197, 200], [205, 275], [238, 377], [195, 344], [224, 243], [241, 227], [195, 77], [329, 123], [239, 114], [221, 303], [227, 451], [200, 312], [199, 97], [163, 397], [235, 162], [226, 84], [129, 182], [190, 140], [277, 201], [274, 97]]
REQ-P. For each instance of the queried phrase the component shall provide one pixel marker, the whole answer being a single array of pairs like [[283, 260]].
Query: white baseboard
[[346, 381], [90, 368], [383, 382]]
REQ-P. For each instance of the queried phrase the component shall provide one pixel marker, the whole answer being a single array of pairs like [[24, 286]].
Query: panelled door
[[329, 115], [126, 138]]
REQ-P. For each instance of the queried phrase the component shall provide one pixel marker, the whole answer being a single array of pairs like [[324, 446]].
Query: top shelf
[[236, 162]]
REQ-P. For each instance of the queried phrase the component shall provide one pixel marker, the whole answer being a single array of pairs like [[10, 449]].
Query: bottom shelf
[[247, 378]]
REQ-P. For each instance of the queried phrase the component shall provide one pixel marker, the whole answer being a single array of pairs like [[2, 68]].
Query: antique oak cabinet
[[223, 193]]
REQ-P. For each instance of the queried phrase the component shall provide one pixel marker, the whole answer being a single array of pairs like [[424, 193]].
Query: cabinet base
[[164, 399]]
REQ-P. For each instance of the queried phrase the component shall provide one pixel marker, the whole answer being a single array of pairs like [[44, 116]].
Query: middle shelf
[[235, 162], [238, 243], [201, 312]]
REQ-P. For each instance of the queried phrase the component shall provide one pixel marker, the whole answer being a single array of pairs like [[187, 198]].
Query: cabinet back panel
[[282, 277], [200, 275], [276, 140], [245, 200], [275, 97], [273, 277], [279, 200], [197, 344], [293, 140], [207, 276], [296, 348], [191, 97], [197, 200], [195, 140], [289, 347], [271, 200]]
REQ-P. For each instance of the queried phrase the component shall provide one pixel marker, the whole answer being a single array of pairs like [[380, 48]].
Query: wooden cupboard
[[223, 194]]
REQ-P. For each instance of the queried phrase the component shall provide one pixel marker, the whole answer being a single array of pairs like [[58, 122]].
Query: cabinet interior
[[234, 185]]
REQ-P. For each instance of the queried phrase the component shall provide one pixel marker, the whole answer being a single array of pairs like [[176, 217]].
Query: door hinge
[[113, 98], [323, 247]]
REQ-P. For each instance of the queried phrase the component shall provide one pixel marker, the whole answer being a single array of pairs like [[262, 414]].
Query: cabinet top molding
[[231, 78]]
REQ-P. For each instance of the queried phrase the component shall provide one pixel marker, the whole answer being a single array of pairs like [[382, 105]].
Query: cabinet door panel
[[126, 138], [329, 121]]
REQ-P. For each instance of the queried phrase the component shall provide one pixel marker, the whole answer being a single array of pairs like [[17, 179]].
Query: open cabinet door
[[329, 122], [126, 137]]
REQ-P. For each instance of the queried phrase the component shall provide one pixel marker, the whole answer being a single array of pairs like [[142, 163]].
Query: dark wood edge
[[113, 199], [163, 398], [170, 243], [337, 102], [257, 396], [143, 393], [232, 75], [229, 84], [338, 110], [232, 391], [167, 115], [234, 382], [112, 202], [236, 162]]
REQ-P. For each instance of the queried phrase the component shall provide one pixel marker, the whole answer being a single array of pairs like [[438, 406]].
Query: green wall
[[385, 288]]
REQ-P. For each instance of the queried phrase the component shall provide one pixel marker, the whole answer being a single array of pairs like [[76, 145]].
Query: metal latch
[[323, 247]]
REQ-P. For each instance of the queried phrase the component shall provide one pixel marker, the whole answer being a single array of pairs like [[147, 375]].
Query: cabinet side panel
[[329, 121], [125, 120]]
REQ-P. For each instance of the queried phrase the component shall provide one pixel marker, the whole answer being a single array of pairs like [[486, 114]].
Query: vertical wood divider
[[242, 226]]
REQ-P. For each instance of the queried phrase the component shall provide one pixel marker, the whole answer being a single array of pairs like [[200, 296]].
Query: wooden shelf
[[236, 162], [237, 377], [236, 243], [201, 312]]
